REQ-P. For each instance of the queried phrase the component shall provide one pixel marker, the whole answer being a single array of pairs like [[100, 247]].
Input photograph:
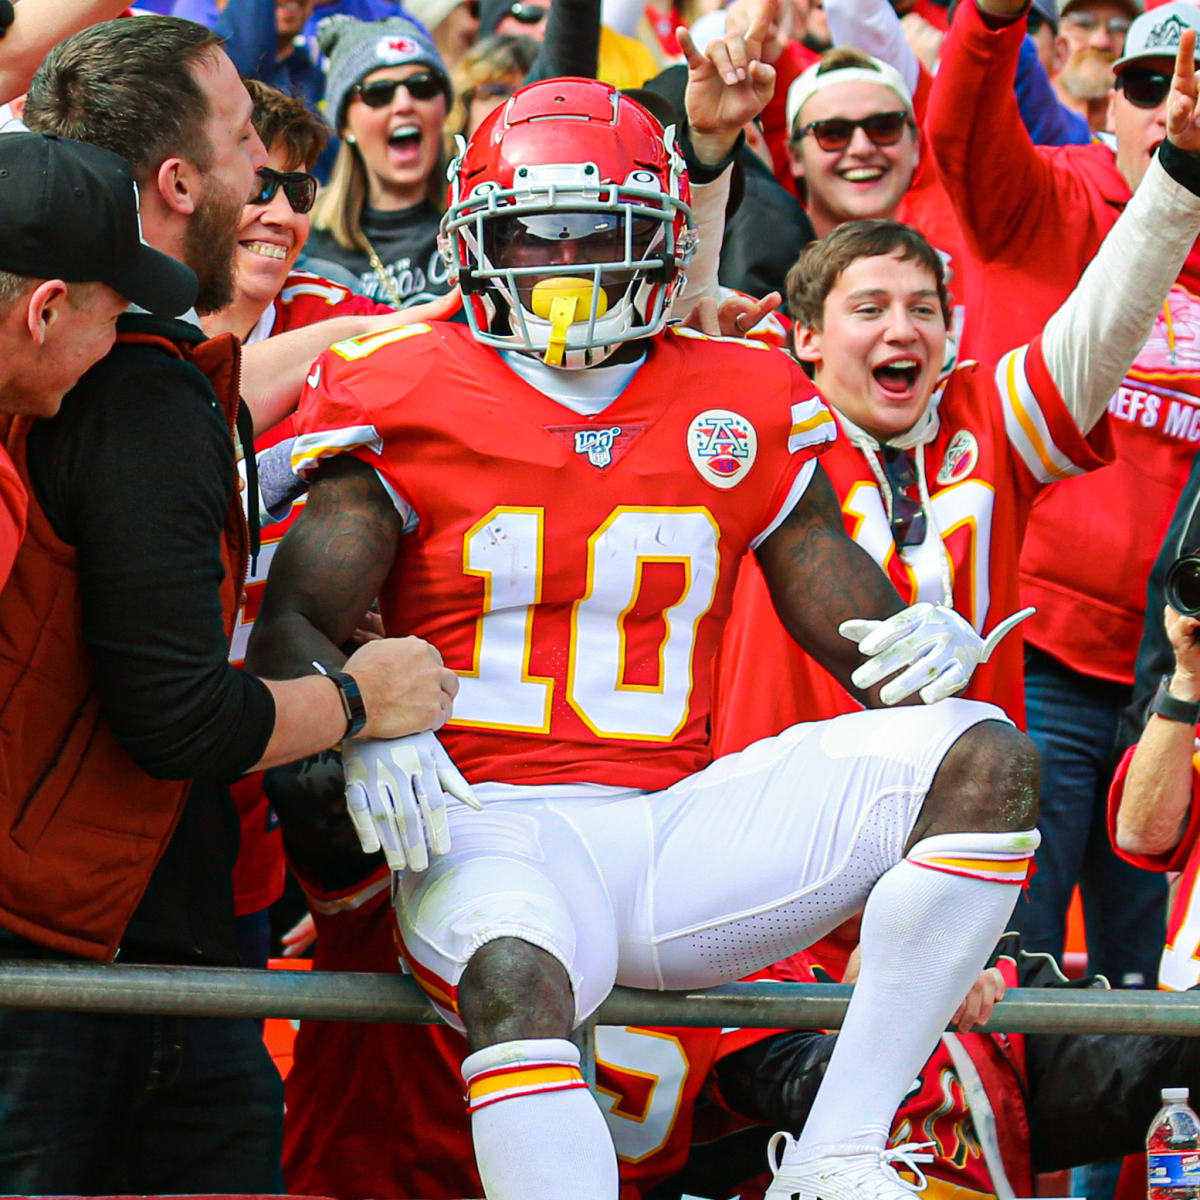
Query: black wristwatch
[[1171, 708], [352, 702]]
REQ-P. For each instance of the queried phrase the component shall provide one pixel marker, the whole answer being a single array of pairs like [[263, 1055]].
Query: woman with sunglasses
[[387, 93]]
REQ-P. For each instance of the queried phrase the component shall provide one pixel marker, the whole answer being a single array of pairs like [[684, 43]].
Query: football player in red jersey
[[558, 497]]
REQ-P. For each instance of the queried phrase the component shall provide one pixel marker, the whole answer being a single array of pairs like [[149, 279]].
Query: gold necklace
[[381, 274]]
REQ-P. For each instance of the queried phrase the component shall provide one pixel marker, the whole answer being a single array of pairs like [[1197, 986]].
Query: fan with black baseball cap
[[71, 259]]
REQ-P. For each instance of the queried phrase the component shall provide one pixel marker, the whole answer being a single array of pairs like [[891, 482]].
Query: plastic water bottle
[[1173, 1150]]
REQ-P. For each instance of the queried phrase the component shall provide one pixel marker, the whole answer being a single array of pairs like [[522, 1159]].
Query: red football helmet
[[567, 223]]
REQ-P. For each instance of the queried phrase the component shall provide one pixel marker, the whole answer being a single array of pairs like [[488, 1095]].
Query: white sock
[[929, 925], [537, 1131]]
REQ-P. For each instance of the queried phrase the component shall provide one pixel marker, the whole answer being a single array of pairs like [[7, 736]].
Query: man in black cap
[[60, 298], [121, 720]]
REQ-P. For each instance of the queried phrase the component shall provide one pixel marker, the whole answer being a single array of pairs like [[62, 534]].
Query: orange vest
[[81, 825]]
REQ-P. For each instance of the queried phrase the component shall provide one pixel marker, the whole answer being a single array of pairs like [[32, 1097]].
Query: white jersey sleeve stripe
[[1026, 424], [812, 424], [798, 488], [310, 448]]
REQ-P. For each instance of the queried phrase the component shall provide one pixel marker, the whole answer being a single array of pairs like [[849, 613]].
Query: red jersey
[[13, 505], [258, 874], [1003, 433], [576, 571], [1179, 967], [305, 299], [1032, 218]]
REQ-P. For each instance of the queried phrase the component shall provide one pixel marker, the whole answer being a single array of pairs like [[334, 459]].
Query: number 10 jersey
[[574, 570]]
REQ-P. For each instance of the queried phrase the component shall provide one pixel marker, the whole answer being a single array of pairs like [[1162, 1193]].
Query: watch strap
[[1171, 708], [352, 702]]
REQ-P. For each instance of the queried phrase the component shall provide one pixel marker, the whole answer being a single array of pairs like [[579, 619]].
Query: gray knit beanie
[[356, 48]]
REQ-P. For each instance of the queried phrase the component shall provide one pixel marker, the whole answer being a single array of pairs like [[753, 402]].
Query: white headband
[[805, 86]]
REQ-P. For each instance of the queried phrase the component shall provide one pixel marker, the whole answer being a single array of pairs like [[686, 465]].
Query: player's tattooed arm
[[326, 573], [818, 577]]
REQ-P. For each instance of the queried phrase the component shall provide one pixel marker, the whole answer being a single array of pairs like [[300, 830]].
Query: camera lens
[[1182, 585]]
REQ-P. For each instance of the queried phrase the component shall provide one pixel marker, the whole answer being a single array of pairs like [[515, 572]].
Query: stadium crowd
[[543, 494]]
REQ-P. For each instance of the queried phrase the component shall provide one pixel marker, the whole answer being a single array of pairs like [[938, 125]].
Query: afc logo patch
[[961, 456], [722, 446]]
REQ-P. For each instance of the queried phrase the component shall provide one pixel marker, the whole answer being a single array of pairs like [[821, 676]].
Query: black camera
[[1182, 585]]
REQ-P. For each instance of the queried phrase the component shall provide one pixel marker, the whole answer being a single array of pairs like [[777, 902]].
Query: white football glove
[[934, 648], [396, 795]]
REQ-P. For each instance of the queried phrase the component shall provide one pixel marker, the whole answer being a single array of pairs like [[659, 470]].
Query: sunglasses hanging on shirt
[[379, 93], [908, 517], [299, 187]]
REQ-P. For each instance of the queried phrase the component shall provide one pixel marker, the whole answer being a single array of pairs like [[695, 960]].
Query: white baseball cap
[[814, 80], [1156, 34]]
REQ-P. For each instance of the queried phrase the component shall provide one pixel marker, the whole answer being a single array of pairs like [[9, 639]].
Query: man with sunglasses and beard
[[123, 719], [1033, 218]]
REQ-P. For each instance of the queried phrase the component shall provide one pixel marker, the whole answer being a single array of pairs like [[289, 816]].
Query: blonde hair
[[497, 59]]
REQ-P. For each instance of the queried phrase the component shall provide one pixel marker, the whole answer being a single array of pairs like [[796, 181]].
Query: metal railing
[[336, 996]]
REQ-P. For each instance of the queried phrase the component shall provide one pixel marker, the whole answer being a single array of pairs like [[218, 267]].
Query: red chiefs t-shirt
[[576, 571], [1003, 434]]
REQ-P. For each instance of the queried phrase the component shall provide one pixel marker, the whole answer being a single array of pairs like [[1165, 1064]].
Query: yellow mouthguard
[[562, 301]]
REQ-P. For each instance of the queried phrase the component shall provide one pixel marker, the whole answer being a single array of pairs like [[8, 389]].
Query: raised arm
[[37, 26], [873, 26], [728, 86], [1092, 340], [999, 184]]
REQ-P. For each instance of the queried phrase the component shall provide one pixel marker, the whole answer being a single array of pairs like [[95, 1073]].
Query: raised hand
[[729, 84], [1183, 109]]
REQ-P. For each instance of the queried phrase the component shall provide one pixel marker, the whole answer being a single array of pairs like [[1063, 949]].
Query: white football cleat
[[847, 1171]]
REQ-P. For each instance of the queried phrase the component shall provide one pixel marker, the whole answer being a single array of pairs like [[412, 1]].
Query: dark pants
[[1073, 721], [94, 1103]]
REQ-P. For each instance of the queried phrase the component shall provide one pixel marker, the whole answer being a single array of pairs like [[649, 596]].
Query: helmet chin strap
[[563, 301]]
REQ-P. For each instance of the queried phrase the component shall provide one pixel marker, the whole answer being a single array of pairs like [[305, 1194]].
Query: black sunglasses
[[424, 85], [527, 14], [908, 517], [299, 187], [836, 133], [1144, 88]]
